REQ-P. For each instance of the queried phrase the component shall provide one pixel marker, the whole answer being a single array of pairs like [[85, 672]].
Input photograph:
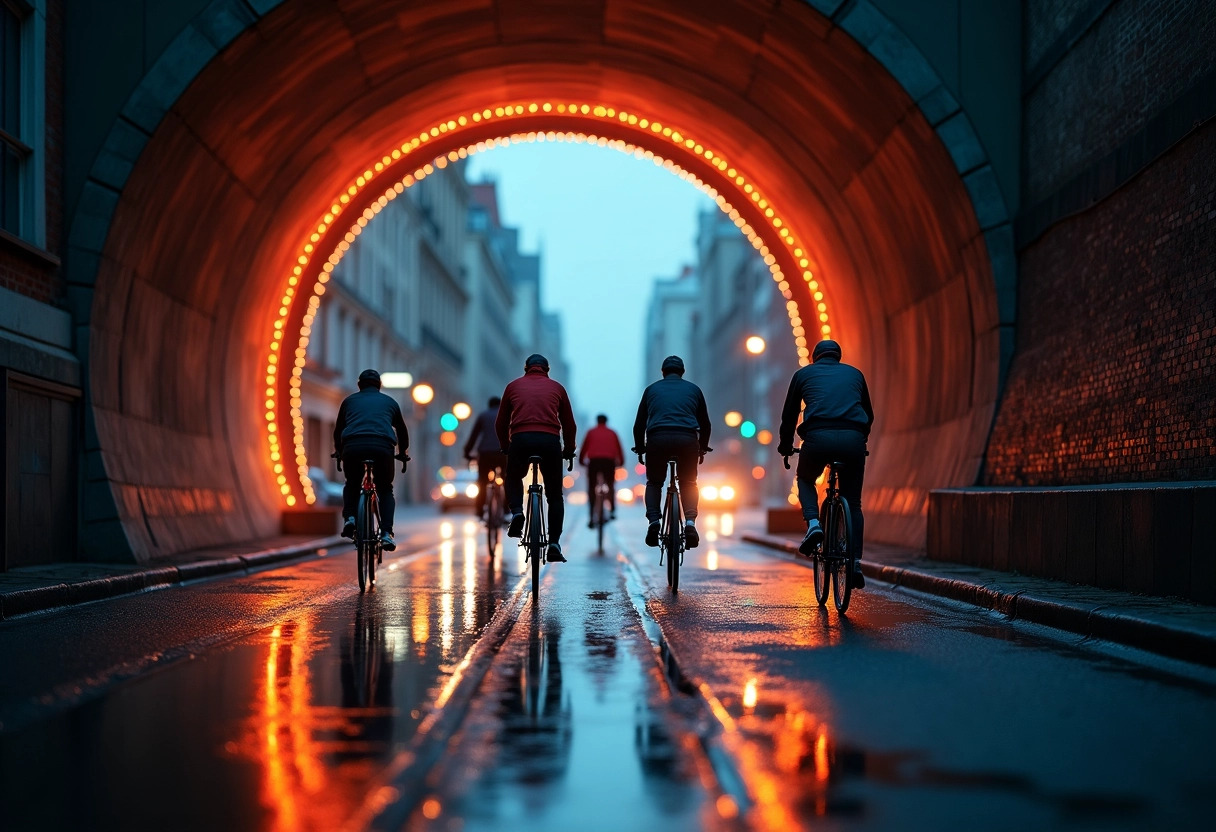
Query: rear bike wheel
[[842, 559], [375, 543], [536, 542], [362, 540], [823, 580], [493, 518], [674, 542]]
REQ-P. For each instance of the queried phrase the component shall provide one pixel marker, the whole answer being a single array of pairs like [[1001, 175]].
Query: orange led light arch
[[460, 137]]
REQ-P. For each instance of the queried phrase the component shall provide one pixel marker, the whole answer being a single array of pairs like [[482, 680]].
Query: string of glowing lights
[[625, 129]]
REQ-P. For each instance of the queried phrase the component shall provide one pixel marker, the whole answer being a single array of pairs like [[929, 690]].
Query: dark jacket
[[833, 394], [672, 404], [483, 438], [535, 403], [370, 415]]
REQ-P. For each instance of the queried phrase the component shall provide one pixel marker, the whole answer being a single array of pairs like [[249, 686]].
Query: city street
[[446, 699]]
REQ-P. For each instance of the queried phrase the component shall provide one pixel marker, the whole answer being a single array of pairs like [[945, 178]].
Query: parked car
[[329, 492], [457, 491]]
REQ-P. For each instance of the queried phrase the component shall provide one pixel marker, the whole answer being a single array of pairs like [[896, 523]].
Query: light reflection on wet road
[[281, 699]]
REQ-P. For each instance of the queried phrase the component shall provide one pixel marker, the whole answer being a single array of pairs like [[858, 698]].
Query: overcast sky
[[606, 225]]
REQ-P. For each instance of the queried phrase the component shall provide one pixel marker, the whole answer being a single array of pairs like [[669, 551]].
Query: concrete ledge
[[1154, 633], [20, 602]]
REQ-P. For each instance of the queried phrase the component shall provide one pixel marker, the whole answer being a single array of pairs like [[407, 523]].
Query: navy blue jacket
[[672, 404], [831, 395], [370, 415]]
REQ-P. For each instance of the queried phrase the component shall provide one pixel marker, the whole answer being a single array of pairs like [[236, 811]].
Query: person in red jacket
[[601, 455], [535, 411]]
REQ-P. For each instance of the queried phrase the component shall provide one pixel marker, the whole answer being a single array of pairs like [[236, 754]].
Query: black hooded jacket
[[833, 394], [672, 404]]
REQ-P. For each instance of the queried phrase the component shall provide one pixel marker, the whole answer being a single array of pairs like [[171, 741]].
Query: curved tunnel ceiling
[[233, 183]]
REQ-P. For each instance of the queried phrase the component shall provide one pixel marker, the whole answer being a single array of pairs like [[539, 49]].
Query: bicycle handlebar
[[785, 458]]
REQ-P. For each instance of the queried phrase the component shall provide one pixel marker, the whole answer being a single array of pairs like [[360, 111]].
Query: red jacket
[[601, 442], [535, 402]]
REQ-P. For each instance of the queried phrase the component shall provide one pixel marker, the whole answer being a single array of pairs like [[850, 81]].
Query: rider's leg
[[479, 502], [551, 469], [382, 473], [513, 482], [658, 452], [610, 478], [686, 453]]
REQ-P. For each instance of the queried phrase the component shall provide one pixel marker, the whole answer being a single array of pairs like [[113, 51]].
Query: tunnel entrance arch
[[196, 253]]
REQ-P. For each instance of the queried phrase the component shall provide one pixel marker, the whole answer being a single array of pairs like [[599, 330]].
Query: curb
[[1085, 620], [42, 598]]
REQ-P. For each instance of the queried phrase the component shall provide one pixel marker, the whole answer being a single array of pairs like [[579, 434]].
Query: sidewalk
[[1168, 626], [32, 588]]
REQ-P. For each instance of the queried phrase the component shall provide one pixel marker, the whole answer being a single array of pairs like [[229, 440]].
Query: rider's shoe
[[517, 526], [858, 578], [814, 536], [591, 524], [612, 516], [554, 555], [387, 543], [652, 534], [691, 539], [348, 528]]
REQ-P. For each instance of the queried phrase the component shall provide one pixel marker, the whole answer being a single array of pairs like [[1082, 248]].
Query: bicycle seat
[[838, 465], [535, 459]]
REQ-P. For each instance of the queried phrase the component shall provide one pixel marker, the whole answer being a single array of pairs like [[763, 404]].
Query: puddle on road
[[281, 730], [571, 728]]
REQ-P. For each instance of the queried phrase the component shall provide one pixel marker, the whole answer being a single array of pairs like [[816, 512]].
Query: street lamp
[[462, 410], [733, 419], [754, 344], [423, 394]]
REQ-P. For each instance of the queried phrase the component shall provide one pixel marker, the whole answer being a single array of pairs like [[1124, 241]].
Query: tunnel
[[317, 113]]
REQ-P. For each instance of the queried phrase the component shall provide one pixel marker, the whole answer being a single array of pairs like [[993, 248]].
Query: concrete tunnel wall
[[243, 161]]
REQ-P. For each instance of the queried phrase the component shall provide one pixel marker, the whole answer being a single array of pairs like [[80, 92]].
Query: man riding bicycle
[[369, 424], [601, 455], [672, 423], [835, 425], [534, 411], [482, 445]]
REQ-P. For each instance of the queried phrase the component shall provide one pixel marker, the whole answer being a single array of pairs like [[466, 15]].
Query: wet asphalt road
[[285, 700]]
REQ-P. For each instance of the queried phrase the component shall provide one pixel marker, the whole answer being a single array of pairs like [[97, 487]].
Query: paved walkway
[[1168, 626]]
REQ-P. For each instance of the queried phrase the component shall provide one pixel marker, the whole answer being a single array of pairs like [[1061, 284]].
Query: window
[[13, 152]]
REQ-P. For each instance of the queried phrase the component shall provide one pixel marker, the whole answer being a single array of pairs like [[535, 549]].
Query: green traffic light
[[747, 430], [448, 421]]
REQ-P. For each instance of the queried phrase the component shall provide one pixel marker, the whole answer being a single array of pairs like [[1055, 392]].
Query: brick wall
[[20, 270], [1114, 378], [1138, 57]]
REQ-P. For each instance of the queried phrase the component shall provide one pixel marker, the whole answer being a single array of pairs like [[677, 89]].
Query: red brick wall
[[1114, 377], [20, 270]]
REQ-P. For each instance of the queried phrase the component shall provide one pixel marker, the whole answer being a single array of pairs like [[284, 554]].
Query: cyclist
[[672, 423], [369, 424], [836, 420], [601, 455], [483, 446], [534, 411]]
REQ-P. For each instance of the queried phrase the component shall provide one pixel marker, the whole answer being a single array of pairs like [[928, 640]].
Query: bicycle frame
[[671, 532]]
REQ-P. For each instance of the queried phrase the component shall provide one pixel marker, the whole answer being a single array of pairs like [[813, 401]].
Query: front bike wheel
[[601, 520], [823, 580], [842, 558], [362, 540]]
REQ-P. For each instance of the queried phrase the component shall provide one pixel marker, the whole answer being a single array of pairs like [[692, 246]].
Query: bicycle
[[672, 542], [496, 501], [601, 508], [536, 536], [369, 541], [833, 560]]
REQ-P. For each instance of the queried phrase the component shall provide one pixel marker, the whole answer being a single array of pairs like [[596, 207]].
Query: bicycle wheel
[[601, 520], [823, 579], [674, 541], [842, 560], [493, 519], [362, 540], [376, 552], [536, 542]]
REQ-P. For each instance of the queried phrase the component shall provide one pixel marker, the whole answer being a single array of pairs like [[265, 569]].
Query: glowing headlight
[[447, 490], [625, 495], [709, 492], [471, 491], [726, 492]]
